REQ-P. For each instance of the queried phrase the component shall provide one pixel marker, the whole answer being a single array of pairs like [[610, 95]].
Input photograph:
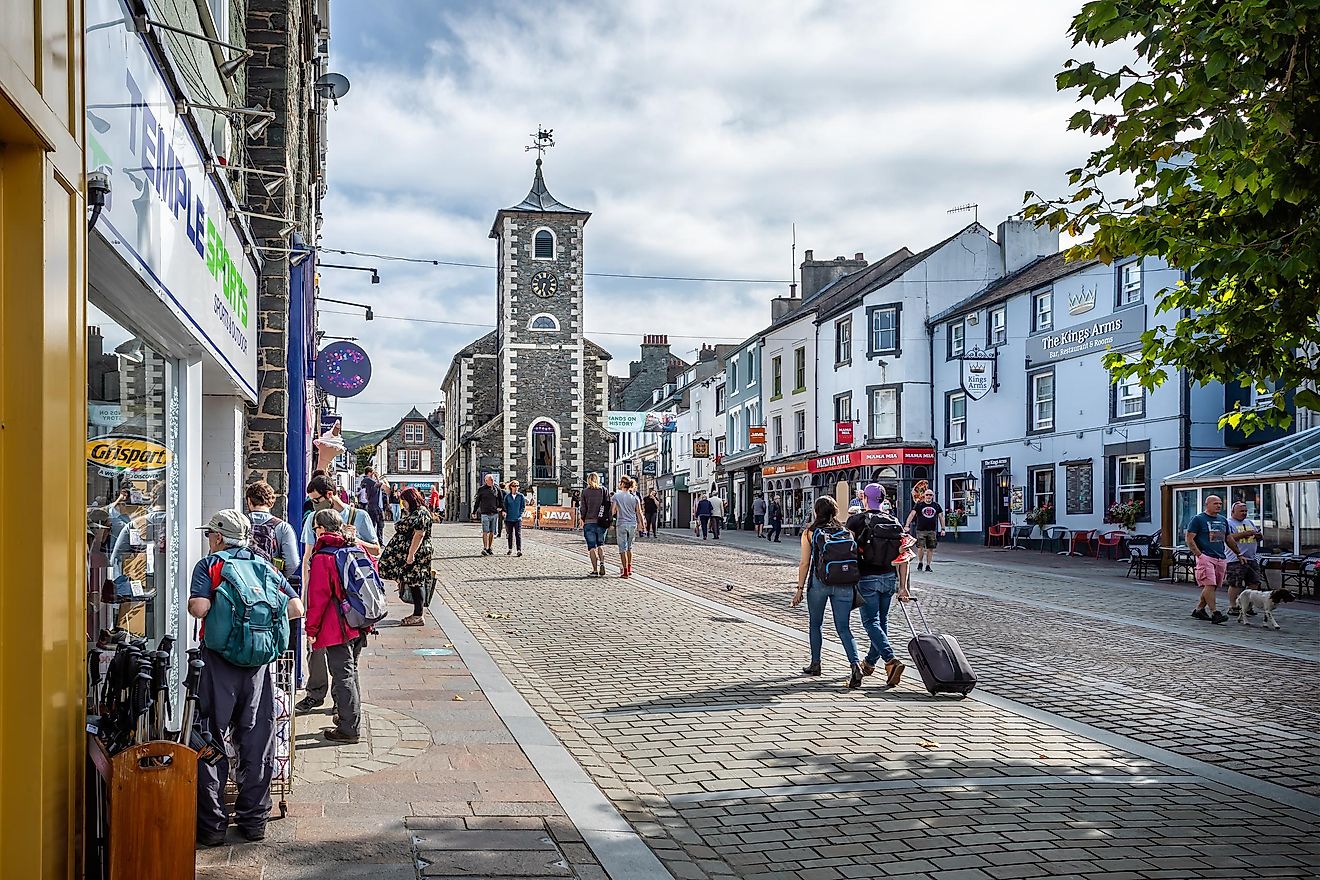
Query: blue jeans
[[840, 601], [877, 593], [594, 533]]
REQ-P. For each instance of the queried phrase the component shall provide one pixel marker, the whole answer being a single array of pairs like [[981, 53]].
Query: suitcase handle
[[921, 614]]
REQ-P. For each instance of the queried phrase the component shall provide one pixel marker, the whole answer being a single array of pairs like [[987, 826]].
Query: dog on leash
[[1264, 601]]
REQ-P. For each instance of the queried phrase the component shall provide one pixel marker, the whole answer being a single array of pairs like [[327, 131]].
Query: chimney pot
[[807, 255], [860, 258]]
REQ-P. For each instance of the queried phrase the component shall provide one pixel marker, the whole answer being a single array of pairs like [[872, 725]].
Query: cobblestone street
[[1111, 735]]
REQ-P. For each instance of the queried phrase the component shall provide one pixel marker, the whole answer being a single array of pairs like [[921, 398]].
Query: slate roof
[[1037, 273], [539, 201]]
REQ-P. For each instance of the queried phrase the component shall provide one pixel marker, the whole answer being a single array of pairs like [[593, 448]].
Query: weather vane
[[543, 140]]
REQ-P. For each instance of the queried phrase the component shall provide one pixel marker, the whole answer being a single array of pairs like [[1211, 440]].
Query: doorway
[[998, 500]]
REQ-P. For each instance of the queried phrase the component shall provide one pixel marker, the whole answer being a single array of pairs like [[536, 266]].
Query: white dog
[[1264, 601]]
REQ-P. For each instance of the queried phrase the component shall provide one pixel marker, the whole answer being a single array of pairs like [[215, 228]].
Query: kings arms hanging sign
[[980, 372]]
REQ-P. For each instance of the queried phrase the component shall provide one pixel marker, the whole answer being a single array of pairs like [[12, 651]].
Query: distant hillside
[[355, 440]]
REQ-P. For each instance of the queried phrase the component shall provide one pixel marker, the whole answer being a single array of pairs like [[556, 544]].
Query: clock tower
[[551, 381]]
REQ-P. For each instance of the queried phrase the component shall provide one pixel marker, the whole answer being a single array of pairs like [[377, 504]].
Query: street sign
[[756, 434]]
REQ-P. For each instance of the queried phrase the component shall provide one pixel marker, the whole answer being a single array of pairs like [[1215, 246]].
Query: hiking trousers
[[241, 702], [318, 672]]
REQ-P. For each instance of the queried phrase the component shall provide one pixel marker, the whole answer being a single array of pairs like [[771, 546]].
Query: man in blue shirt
[[515, 502], [1208, 537], [234, 699]]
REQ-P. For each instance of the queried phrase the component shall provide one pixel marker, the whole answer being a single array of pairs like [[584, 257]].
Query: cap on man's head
[[231, 525], [875, 493]]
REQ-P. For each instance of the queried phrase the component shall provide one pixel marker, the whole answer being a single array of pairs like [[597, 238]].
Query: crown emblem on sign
[[976, 368], [1081, 302]]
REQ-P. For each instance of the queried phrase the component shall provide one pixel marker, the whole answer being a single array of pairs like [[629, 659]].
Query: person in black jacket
[[651, 508], [489, 504]]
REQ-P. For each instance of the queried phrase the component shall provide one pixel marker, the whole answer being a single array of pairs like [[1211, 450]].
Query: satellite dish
[[332, 86]]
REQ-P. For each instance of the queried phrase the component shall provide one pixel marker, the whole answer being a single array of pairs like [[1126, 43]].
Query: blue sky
[[696, 133]]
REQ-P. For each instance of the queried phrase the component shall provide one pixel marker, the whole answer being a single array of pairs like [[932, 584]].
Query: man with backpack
[[879, 543], [244, 605], [273, 539]]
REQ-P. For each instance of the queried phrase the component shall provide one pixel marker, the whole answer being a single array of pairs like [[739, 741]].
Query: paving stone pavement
[[438, 787], [698, 726]]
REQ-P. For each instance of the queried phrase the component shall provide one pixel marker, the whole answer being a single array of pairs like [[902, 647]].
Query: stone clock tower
[[544, 422]]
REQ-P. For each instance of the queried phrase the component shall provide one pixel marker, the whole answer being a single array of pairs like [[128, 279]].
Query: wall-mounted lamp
[[343, 302], [289, 224], [1122, 432], [261, 116], [375, 276], [297, 256], [227, 69], [1081, 435], [272, 181], [1033, 445]]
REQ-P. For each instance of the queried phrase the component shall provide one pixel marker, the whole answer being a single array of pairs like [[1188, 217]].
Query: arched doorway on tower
[[545, 461]]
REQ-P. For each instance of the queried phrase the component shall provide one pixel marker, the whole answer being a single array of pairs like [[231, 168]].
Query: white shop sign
[[165, 215]]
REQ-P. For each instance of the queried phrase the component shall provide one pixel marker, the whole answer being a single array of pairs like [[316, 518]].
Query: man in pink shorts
[[1207, 536]]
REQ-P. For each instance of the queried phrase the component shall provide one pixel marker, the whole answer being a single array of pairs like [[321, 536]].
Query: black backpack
[[881, 541], [835, 563], [264, 541]]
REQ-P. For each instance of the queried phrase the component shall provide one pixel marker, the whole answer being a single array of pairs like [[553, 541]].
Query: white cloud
[[696, 133]]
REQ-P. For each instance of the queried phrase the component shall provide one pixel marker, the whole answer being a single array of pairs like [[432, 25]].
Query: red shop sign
[[843, 433], [872, 457]]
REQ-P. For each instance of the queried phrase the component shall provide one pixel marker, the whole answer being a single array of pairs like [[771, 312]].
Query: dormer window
[[544, 323], [543, 247]]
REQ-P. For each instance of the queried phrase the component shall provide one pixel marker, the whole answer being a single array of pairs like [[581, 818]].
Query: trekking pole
[[190, 685]]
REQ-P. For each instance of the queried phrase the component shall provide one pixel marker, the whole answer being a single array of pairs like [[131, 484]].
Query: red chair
[[1083, 537], [1111, 541], [999, 532]]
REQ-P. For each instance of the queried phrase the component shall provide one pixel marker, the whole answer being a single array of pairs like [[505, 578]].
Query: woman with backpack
[[594, 508], [826, 549], [328, 629], [407, 559], [880, 544]]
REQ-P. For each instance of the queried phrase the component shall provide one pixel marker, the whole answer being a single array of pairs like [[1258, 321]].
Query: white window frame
[[843, 341], [957, 331], [1129, 399], [721, 396], [219, 10], [733, 373], [1131, 491], [777, 376], [414, 460], [876, 330], [554, 244], [1039, 424], [1042, 319], [554, 328], [777, 430], [879, 413], [957, 425], [1129, 283], [1039, 498], [401, 460], [751, 370], [998, 320], [800, 430], [413, 433], [801, 351]]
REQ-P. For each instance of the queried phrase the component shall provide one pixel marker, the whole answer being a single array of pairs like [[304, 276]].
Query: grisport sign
[[165, 216], [120, 453], [1124, 327]]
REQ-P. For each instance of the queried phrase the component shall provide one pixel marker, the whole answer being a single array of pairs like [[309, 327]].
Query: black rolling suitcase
[[943, 667]]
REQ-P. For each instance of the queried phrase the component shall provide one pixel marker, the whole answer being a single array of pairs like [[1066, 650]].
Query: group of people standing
[[501, 509]]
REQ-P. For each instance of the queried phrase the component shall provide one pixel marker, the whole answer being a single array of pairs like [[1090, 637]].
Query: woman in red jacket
[[327, 628]]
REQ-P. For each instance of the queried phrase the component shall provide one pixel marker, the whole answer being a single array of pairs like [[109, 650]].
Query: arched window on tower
[[543, 323], [544, 248]]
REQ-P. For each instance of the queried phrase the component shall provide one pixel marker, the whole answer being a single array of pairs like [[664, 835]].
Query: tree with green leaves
[[1216, 122], [364, 456]]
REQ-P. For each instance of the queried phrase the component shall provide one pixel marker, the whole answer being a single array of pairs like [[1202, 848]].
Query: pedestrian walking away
[[626, 510], [407, 559], [373, 501], [776, 520], [272, 538], [758, 514], [327, 629], [1243, 571], [244, 605], [1209, 540], [704, 509], [929, 519], [716, 516], [595, 509], [394, 502], [488, 505], [829, 561], [651, 509], [515, 504], [321, 493], [879, 543]]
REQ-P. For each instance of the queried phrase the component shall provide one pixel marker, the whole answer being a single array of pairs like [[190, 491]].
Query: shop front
[[789, 483], [742, 482], [901, 470]]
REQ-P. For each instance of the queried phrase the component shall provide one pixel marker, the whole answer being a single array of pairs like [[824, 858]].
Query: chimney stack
[[818, 274]]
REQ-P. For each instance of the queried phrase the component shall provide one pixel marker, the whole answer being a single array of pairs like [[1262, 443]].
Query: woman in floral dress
[[407, 558]]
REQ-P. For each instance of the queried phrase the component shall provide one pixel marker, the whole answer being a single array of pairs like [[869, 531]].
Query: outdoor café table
[[1283, 562]]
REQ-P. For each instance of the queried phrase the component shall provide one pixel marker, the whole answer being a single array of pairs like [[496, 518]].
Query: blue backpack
[[248, 621], [363, 605], [835, 562]]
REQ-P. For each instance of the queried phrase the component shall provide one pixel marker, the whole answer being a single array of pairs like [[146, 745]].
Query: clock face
[[545, 284]]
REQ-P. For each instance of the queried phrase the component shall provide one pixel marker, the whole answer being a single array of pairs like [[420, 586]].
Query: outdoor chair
[[1109, 541], [998, 533], [1054, 538], [1143, 557], [1184, 564], [1305, 575], [1084, 537], [1020, 534]]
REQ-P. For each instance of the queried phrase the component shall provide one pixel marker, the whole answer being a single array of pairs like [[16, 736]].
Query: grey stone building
[[528, 400], [412, 454]]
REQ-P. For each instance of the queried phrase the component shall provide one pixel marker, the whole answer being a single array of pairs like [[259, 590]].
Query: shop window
[[1040, 407], [960, 496], [1129, 283], [885, 407], [1276, 519], [955, 407], [997, 326], [799, 370], [843, 342], [883, 322], [1128, 399], [957, 335], [1042, 311], [800, 430], [544, 247], [1041, 481], [133, 531], [776, 378]]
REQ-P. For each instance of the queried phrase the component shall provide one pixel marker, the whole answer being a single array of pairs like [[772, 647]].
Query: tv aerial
[[332, 87]]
